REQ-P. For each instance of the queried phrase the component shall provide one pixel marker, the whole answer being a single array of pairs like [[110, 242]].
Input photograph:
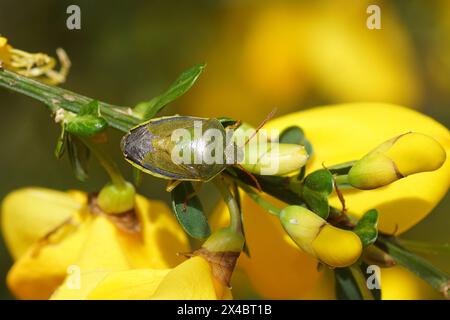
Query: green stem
[[107, 163], [56, 98], [341, 179], [361, 282], [423, 247], [233, 208], [272, 209], [416, 264]]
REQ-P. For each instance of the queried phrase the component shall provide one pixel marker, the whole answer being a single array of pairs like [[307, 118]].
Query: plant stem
[[233, 208], [272, 209], [361, 282], [107, 163], [416, 264], [56, 98]]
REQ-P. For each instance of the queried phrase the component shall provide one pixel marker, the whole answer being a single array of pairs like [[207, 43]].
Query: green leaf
[[318, 185], [91, 108], [86, 126], [366, 228], [438, 279], [78, 156], [296, 135], [320, 180], [189, 211], [87, 122], [181, 85], [317, 202], [61, 143], [351, 284], [345, 285]]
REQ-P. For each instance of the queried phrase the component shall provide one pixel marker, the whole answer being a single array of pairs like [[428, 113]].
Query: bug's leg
[[172, 184]]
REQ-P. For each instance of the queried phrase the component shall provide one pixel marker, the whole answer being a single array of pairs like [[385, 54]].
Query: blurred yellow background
[[260, 54]]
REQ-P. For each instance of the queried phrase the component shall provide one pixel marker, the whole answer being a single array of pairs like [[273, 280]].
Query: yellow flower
[[395, 159], [49, 231], [103, 275], [34, 65], [330, 245], [192, 279], [275, 268]]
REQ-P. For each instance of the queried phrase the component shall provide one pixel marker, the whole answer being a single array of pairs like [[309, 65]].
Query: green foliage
[[318, 185], [87, 122], [78, 156], [189, 211], [296, 135], [366, 228], [147, 110]]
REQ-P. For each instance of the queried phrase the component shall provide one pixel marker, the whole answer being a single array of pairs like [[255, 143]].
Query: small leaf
[[345, 285], [296, 135], [91, 108], [61, 143], [181, 85], [318, 185], [78, 156], [317, 202], [320, 181], [366, 228], [86, 126], [189, 211]]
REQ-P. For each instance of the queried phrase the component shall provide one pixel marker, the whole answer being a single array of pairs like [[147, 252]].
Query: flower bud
[[274, 158], [113, 199], [224, 240], [314, 235], [397, 158]]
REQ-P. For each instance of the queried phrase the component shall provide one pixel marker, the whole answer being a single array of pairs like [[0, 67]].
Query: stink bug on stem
[[183, 148]]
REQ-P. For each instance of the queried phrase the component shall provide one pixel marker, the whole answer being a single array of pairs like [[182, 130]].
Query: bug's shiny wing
[[150, 145]]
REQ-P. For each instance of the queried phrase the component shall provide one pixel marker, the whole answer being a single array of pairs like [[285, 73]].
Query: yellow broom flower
[[73, 234]]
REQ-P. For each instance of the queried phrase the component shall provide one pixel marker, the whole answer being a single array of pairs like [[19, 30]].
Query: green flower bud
[[397, 158], [274, 158], [224, 240], [314, 235], [113, 199]]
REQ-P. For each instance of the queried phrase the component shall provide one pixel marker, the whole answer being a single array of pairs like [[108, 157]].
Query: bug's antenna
[[269, 116], [258, 186]]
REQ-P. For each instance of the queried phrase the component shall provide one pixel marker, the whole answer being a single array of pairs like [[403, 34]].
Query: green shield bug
[[150, 147]]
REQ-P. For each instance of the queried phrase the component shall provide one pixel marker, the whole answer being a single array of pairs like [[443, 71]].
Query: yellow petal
[[29, 214], [397, 283], [347, 132], [276, 269], [191, 280], [43, 267], [137, 284], [100, 253], [162, 236]]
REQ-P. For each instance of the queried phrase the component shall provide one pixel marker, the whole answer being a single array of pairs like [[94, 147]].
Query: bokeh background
[[260, 54]]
